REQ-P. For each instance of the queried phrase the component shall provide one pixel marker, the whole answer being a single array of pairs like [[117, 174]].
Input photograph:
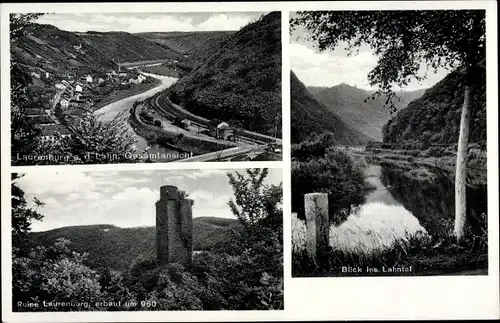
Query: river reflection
[[406, 200]]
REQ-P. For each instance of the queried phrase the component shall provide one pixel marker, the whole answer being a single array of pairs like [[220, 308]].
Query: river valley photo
[[128, 88], [388, 148]]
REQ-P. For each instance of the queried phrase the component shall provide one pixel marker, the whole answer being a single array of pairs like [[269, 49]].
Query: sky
[[125, 198], [150, 22], [330, 68]]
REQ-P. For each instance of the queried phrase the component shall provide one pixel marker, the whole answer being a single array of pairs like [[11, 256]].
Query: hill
[[59, 52], [241, 82], [435, 117], [309, 116], [119, 248], [186, 42], [316, 89], [348, 102]]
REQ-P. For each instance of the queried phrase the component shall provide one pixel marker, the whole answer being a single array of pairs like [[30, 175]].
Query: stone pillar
[[173, 227], [316, 210]]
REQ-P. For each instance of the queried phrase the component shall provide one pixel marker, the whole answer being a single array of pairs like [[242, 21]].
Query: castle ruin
[[174, 227]]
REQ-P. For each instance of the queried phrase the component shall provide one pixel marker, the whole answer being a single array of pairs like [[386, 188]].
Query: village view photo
[[147, 240], [145, 87], [388, 130]]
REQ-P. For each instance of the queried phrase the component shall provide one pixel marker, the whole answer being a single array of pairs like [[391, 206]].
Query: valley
[[95, 78]]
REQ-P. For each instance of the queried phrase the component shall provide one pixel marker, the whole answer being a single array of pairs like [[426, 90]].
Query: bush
[[157, 123]]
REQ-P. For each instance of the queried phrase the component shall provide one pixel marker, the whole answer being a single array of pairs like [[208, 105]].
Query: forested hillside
[[355, 107], [186, 42], [59, 51], [435, 117], [119, 248], [309, 116], [240, 83]]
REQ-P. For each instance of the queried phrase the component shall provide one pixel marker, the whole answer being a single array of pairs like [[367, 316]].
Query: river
[[405, 199], [121, 108]]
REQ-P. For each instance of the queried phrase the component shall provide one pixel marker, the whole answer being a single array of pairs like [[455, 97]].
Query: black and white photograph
[[388, 135], [100, 88], [162, 240]]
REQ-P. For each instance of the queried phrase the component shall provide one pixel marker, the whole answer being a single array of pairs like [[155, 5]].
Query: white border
[[450, 297]]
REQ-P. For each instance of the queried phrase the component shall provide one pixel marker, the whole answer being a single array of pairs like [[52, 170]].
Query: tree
[[405, 41], [22, 216], [256, 205]]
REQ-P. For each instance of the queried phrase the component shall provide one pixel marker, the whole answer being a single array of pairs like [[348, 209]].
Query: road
[[162, 102]]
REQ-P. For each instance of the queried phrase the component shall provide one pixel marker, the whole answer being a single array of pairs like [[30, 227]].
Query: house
[[34, 74], [78, 88], [60, 86], [64, 103], [88, 79], [50, 132], [185, 123], [77, 96], [141, 78], [224, 131], [76, 103], [47, 75], [133, 81], [100, 80], [77, 47], [122, 74]]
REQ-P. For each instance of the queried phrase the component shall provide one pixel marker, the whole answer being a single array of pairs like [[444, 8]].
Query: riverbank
[[440, 157], [416, 255], [404, 225], [119, 95], [120, 108]]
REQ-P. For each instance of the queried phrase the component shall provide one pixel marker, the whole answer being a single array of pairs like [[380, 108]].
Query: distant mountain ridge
[[310, 116], [119, 248], [348, 102], [187, 42], [58, 51]]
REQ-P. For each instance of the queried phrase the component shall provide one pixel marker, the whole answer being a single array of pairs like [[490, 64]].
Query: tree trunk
[[461, 167]]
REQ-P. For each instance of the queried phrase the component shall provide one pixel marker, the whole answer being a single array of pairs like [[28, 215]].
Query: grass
[[415, 254], [161, 70]]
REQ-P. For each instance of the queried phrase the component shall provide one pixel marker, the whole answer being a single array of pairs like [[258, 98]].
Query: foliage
[[311, 117], [247, 277], [241, 83], [427, 255], [404, 40], [21, 216], [435, 117], [54, 275], [318, 167]]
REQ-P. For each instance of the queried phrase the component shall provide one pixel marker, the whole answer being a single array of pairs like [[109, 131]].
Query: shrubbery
[[318, 167], [243, 273]]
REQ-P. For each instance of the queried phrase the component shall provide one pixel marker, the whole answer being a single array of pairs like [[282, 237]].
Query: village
[[70, 96]]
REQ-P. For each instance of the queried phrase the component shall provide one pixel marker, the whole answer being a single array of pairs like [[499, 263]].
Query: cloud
[[135, 23], [223, 22], [61, 182], [330, 68]]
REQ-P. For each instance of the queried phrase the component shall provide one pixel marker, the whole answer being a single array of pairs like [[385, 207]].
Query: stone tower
[[174, 227]]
